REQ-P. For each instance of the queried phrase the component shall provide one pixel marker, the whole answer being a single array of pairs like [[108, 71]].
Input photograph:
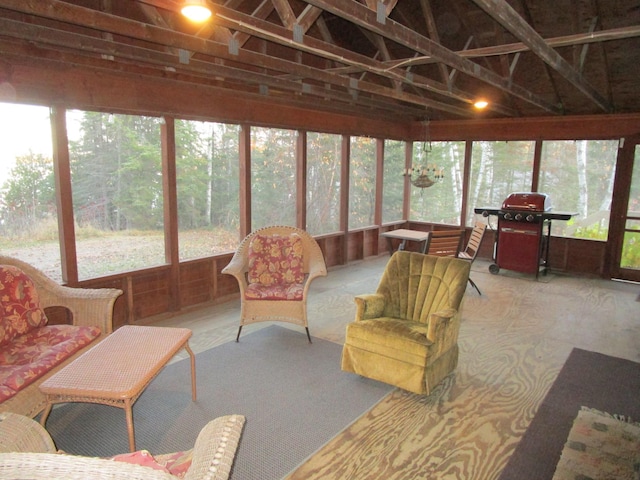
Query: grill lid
[[527, 201]]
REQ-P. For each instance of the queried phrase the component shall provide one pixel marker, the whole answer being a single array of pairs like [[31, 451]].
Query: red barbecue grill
[[524, 229]]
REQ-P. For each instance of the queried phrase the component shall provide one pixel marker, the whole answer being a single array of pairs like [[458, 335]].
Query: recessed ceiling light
[[196, 10]]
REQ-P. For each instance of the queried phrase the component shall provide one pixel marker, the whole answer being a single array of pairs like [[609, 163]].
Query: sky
[[23, 128]]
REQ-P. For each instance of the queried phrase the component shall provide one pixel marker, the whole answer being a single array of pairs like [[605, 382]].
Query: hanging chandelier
[[426, 175]]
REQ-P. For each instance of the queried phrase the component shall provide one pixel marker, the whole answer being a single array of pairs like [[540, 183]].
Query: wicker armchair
[[406, 334], [284, 310], [88, 307], [27, 452]]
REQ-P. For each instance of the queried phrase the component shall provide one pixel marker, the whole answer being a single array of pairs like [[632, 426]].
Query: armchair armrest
[[317, 270], [215, 448], [237, 266], [438, 322], [19, 433], [52, 466], [368, 306], [91, 307], [88, 306]]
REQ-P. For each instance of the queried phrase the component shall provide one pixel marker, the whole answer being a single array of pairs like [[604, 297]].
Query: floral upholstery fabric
[[176, 463], [140, 457], [20, 310], [257, 291], [275, 260], [33, 354]]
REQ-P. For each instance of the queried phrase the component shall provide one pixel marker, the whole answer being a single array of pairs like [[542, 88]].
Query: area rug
[[293, 394], [601, 382], [600, 446]]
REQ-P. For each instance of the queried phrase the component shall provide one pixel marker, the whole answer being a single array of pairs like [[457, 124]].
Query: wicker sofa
[[31, 350], [28, 452]]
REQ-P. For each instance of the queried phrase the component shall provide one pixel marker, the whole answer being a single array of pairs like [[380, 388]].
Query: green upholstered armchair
[[406, 333]]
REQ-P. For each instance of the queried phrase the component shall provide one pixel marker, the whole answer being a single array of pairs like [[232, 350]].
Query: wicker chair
[[87, 306], [406, 334], [283, 310], [27, 452]]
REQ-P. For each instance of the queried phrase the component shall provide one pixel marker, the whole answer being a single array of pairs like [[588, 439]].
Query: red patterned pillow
[[20, 309], [275, 260]]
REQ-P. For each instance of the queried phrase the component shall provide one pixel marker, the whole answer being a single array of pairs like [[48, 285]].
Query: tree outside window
[[393, 181], [116, 177], [497, 170], [440, 203], [578, 176], [362, 182], [28, 212], [323, 183], [207, 161], [273, 177]]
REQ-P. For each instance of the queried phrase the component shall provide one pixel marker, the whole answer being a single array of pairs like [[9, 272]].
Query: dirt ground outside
[[117, 253]]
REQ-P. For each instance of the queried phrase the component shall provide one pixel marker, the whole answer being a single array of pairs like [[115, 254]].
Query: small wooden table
[[406, 235], [116, 371]]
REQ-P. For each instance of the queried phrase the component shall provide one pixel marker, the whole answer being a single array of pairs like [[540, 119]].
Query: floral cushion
[[275, 260], [20, 309], [32, 355], [257, 291], [176, 464]]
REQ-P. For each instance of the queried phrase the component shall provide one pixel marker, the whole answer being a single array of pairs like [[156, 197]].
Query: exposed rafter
[[364, 17], [414, 59], [502, 12]]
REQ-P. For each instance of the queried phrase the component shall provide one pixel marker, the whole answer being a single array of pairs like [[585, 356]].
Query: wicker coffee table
[[116, 371]]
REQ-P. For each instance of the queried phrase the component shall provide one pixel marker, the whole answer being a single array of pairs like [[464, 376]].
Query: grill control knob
[[507, 216], [518, 216], [530, 218], [485, 213]]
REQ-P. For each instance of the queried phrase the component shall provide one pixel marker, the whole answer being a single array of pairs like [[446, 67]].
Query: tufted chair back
[[406, 333], [414, 285]]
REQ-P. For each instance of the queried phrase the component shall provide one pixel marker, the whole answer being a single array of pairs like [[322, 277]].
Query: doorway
[[624, 232]]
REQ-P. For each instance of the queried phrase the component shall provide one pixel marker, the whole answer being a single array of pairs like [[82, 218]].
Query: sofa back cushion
[[20, 310], [275, 260]]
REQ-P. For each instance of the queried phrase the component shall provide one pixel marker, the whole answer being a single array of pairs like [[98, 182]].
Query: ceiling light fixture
[[196, 10], [481, 104]]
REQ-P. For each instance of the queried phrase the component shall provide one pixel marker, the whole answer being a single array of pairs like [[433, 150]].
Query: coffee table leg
[[129, 414], [45, 414], [193, 371]]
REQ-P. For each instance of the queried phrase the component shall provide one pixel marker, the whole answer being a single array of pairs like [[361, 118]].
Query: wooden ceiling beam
[[42, 58], [432, 30], [248, 24], [262, 11], [268, 31], [73, 14], [254, 25], [360, 15], [504, 14], [285, 12], [308, 17], [167, 62], [517, 47]]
